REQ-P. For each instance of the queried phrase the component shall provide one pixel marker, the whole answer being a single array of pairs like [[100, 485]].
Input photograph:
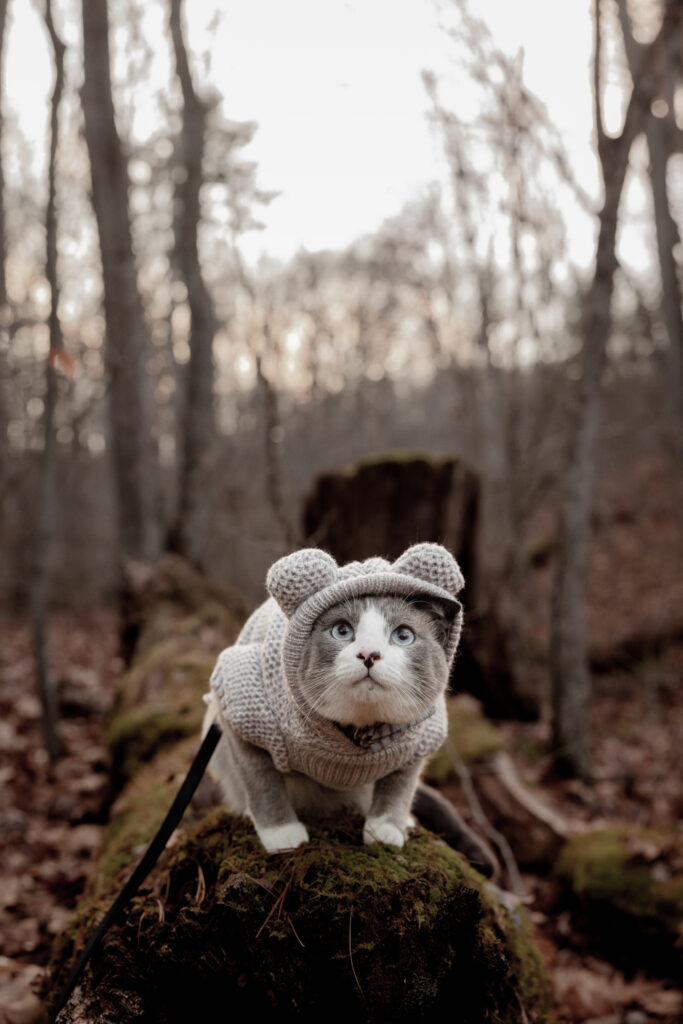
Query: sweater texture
[[255, 682]]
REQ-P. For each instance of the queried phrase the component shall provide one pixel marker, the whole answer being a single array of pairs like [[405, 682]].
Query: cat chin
[[376, 707]]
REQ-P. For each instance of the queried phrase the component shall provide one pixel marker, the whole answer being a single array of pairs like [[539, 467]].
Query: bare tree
[[198, 436], [3, 239], [662, 136], [3, 287], [515, 136], [668, 243], [126, 335], [45, 505], [273, 435], [568, 653]]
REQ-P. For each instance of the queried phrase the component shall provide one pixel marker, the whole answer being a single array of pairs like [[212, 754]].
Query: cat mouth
[[367, 678]]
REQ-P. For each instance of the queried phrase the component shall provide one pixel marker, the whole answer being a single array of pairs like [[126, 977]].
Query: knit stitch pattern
[[255, 681]]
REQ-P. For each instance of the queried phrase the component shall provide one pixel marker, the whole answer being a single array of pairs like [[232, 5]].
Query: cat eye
[[342, 631], [403, 636]]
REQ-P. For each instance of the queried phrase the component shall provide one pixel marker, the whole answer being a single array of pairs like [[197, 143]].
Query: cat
[[330, 705]]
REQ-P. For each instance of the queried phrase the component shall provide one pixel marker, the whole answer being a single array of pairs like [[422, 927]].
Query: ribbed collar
[[380, 734]]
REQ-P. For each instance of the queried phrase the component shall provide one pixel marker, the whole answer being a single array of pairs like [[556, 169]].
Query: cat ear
[[433, 563], [298, 576]]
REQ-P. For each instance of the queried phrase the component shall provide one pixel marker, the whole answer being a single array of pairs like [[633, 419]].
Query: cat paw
[[283, 837], [379, 830]]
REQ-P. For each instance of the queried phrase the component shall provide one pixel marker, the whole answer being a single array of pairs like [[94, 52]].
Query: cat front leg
[[267, 801], [389, 814]]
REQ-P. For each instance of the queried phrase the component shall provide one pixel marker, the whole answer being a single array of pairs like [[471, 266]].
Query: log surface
[[376, 931]]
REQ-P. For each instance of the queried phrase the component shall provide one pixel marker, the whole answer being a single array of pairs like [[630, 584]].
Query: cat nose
[[369, 659]]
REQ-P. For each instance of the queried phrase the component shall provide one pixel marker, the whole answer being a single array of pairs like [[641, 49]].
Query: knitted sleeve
[[237, 683]]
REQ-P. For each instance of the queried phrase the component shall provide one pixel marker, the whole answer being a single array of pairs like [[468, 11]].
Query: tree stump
[[380, 507], [386, 934]]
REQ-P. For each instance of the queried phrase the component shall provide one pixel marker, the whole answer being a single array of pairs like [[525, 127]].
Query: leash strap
[[149, 859]]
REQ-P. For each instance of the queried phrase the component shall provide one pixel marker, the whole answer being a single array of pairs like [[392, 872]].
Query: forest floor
[[51, 818]]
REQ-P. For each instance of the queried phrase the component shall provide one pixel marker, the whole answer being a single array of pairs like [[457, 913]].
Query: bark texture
[[668, 240], [3, 233], [126, 332], [568, 655], [663, 140], [421, 498], [42, 535], [198, 432], [272, 450]]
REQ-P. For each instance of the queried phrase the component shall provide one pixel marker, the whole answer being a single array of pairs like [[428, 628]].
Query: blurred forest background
[[161, 389]]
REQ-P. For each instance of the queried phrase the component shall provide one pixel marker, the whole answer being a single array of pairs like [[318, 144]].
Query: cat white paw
[[379, 830], [283, 837]]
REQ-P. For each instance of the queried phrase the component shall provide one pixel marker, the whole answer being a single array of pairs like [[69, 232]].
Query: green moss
[[624, 898], [384, 934], [186, 621], [531, 749], [473, 736], [414, 920], [137, 815], [599, 866], [174, 663], [176, 598], [531, 985], [402, 456], [161, 702]]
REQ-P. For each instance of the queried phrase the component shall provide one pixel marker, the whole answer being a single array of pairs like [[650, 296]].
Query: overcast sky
[[335, 87]]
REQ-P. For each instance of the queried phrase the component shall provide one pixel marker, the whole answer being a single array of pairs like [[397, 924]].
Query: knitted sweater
[[255, 681]]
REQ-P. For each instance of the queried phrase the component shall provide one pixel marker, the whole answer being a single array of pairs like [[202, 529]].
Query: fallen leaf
[[646, 849], [664, 1003]]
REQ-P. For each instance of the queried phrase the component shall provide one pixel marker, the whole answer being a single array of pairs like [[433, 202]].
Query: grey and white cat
[[371, 674]]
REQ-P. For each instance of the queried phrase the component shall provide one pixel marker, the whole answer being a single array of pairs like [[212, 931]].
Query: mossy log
[[385, 933], [626, 884], [389, 935], [176, 622]]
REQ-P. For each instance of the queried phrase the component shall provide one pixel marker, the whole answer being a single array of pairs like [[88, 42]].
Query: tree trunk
[[668, 239], [271, 428], [45, 508], [126, 341], [197, 448], [661, 141], [3, 238], [4, 372], [568, 654]]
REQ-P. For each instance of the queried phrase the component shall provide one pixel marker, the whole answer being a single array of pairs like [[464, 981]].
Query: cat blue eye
[[342, 631], [403, 636]]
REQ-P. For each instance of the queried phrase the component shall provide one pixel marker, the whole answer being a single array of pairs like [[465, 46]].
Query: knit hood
[[308, 582], [255, 683]]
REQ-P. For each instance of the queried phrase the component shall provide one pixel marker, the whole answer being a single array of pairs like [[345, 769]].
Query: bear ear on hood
[[296, 577], [432, 563]]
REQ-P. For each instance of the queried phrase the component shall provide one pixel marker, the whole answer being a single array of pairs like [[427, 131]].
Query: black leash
[[149, 859]]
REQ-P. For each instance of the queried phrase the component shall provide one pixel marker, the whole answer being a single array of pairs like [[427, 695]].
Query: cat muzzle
[[369, 659]]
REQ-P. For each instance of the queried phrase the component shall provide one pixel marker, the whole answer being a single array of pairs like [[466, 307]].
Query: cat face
[[376, 659]]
